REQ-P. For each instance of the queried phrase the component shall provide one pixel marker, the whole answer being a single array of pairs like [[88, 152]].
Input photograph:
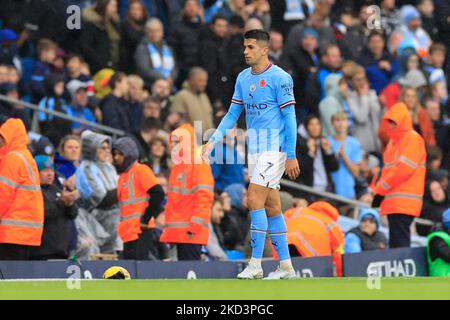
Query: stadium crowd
[[151, 68]]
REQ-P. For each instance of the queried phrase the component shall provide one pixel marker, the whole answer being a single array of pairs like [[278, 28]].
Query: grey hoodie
[[331, 104]]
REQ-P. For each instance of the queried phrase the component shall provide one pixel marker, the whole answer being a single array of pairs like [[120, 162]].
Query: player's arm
[[286, 101], [227, 122]]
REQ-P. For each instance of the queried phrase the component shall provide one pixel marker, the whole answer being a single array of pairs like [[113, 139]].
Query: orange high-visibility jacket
[[133, 199], [314, 230], [190, 194], [402, 180], [21, 200]]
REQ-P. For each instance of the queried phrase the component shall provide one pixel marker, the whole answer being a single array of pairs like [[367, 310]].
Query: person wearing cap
[[59, 209], [140, 196], [411, 30], [300, 62], [9, 49], [438, 249], [366, 236], [79, 107]]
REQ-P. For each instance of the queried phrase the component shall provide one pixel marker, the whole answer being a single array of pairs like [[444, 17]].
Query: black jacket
[[116, 112], [129, 39], [376, 241], [298, 62], [307, 164], [213, 57], [183, 39], [234, 227], [55, 238]]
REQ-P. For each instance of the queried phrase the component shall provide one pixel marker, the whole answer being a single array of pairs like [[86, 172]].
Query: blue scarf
[[162, 64], [294, 9]]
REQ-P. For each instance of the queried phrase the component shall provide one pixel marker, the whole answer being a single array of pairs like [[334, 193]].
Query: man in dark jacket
[[379, 64], [59, 209], [300, 62], [213, 58], [183, 39], [148, 130], [115, 108], [366, 236], [316, 157]]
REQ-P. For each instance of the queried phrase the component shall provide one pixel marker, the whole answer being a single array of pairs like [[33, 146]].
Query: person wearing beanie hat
[[366, 236], [438, 249], [59, 207]]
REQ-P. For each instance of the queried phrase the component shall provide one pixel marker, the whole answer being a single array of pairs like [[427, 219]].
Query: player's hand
[[292, 168], [206, 151]]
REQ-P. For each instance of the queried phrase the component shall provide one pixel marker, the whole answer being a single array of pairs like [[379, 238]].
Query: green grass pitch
[[218, 289]]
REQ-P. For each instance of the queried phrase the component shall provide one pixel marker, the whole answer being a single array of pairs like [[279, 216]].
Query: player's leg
[[256, 197], [277, 232]]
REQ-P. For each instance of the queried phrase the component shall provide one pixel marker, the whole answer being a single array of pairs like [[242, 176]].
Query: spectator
[[319, 23], [9, 49], [331, 63], [46, 52], [192, 100], [3, 73], [140, 196], [79, 107], [379, 64], [285, 15], [316, 157], [411, 30], [435, 202], [236, 60], [441, 128], [159, 156], [74, 65], [335, 100], [215, 246], [115, 109], [190, 196], [401, 185], [184, 39], [349, 153], [152, 108], [67, 159], [51, 126], [148, 130], [236, 222], [426, 10], [434, 63], [366, 236], [275, 46], [313, 231], [421, 121], [153, 57], [213, 58], [228, 164], [440, 93], [161, 91], [301, 62], [366, 112], [59, 209], [12, 110], [438, 249], [131, 33], [136, 96], [21, 203], [390, 16], [100, 36], [96, 179]]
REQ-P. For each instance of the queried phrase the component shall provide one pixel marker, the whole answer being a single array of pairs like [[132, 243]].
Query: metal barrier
[[62, 115]]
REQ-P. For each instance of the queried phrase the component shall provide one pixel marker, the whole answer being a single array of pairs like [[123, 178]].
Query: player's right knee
[[254, 201]]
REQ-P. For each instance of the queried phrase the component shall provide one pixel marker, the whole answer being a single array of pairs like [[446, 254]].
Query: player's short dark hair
[[149, 124], [257, 34]]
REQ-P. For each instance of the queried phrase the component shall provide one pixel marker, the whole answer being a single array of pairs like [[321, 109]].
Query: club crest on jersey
[[262, 83], [252, 87]]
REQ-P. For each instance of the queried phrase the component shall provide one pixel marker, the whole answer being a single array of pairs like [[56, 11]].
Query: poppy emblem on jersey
[[262, 83], [252, 87]]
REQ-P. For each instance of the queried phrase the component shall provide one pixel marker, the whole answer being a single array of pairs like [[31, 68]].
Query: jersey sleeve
[[237, 95], [285, 91]]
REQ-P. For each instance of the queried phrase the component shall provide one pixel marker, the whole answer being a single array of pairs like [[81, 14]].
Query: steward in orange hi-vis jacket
[[190, 196], [21, 200], [400, 188], [313, 231], [139, 194]]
